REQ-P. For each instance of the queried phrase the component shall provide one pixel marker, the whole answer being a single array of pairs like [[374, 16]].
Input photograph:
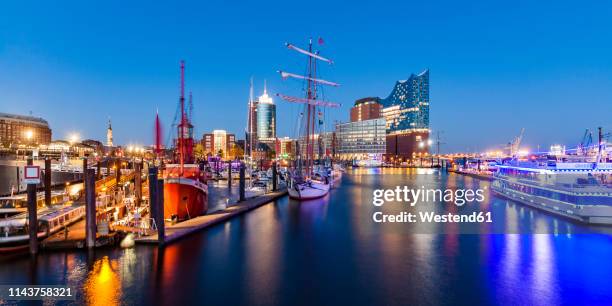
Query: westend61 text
[[406, 217]]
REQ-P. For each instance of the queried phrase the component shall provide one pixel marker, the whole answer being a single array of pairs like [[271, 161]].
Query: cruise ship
[[581, 191]]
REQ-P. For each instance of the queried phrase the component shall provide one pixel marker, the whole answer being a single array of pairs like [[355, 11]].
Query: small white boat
[[308, 190], [254, 191]]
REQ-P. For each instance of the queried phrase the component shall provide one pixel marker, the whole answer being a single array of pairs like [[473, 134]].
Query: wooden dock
[[182, 229], [75, 238]]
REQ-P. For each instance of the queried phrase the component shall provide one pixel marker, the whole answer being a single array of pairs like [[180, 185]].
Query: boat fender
[[128, 241]]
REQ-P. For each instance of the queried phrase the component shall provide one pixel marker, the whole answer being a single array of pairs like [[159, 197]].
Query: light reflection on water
[[328, 251], [103, 284]]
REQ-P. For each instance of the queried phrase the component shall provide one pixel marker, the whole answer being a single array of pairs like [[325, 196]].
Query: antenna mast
[[438, 142]]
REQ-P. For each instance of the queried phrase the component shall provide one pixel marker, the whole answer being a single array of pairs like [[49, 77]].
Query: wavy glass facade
[[406, 109]]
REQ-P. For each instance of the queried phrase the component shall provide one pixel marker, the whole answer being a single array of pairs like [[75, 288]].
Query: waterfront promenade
[[181, 229], [226, 205]]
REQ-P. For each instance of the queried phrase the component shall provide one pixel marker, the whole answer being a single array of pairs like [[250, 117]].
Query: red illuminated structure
[[184, 141], [185, 187]]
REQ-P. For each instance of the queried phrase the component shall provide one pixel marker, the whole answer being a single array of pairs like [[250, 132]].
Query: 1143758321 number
[[34, 292]]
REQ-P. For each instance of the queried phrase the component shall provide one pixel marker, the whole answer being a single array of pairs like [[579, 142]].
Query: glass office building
[[266, 119], [361, 139]]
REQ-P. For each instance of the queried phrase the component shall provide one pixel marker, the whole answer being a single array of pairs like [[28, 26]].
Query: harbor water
[[330, 251]]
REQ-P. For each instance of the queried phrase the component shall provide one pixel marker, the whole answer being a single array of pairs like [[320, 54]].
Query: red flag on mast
[[158, 134], [320, 40]]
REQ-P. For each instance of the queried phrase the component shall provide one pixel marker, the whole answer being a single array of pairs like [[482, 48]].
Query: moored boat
[[309, 189], [579, 191], [306, 181], [14, 234], [186, 194], [185, 182]]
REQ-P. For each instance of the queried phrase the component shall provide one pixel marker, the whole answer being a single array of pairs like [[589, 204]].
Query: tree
[[236, 152], [198, 151], [271, 154]]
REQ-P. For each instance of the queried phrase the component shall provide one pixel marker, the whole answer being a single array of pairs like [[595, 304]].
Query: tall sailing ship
[[185, 184], [306, 181]]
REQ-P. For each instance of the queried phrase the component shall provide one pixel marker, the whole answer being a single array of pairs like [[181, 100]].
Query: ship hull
[[184, 198], [17, 243], [589, 214]]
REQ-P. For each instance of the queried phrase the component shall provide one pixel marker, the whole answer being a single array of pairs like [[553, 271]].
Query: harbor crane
[[587, 141], [515, 144], [438, 141]]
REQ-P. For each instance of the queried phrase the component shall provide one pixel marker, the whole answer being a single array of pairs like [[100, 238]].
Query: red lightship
[[185, 187]]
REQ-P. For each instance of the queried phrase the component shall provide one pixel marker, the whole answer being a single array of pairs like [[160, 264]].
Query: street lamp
[[74, 138], [29, 134]]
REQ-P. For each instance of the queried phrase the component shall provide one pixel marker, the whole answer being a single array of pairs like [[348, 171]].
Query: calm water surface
[[329, 251]]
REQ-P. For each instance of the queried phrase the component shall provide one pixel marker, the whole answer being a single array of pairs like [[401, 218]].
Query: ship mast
[[181, 138], [309, 97], [311, 100]]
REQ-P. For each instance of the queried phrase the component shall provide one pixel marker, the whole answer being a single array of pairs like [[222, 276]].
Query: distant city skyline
[[495, 68]]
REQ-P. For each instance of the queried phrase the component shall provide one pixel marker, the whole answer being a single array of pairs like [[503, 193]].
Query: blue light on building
[[266, 118], [406, 109]]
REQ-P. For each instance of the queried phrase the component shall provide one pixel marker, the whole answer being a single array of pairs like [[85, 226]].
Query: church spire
[[109, 134]]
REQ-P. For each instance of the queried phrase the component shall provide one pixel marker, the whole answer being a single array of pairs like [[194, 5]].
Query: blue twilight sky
[[496, 66]]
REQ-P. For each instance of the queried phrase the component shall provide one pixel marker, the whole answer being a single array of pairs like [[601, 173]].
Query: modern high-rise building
[[251, 130], [406, 111], [287, 148], [366, 109], [266, 118], [219, 142], [360, 140], [18, 129]]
